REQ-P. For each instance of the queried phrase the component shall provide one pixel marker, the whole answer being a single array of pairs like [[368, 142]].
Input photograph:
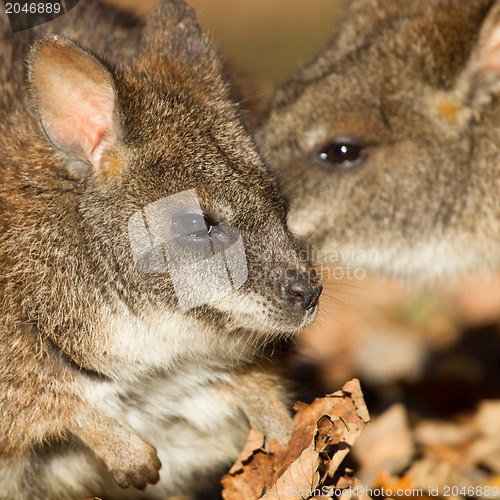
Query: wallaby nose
[[303, 291]]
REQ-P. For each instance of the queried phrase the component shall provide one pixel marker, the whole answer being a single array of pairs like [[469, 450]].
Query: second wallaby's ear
[[172, 33], [481, 77], [354, 29], [74, 96]]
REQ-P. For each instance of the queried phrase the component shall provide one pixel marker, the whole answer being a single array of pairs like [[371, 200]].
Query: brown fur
[[112, 32], [416, 84], [96, 355]]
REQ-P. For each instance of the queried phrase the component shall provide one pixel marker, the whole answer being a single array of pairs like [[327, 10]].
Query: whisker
[[309, 236], [287, 186], [345, 284], [332, 298], [341, 244]]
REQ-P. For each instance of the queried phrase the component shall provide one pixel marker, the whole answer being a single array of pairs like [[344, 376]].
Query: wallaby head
[[388, 140], [143, 225]]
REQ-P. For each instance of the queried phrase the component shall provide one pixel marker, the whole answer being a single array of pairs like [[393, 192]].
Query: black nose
[[301, 290]]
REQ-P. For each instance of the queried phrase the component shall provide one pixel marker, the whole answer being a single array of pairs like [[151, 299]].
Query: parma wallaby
[[389, 140], [145, 265]]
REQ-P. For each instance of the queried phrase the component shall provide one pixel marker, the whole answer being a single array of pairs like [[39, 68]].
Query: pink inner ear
[[89, 129], [491, 53], [75, 98]]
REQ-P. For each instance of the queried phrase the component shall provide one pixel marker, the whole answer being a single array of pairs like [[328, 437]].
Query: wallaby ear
[[74, 96], [172, 33], [481, 78], [354, 29], [378, 9]]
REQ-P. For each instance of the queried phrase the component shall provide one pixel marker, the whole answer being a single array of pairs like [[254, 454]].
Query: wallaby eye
[[342, 153], [192, 224]]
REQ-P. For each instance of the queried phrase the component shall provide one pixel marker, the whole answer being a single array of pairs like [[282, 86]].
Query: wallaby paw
[[136, 466], [130, 460], [280, 430], [277, 425]]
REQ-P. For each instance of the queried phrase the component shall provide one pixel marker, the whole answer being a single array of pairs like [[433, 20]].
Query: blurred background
[[266, 40]]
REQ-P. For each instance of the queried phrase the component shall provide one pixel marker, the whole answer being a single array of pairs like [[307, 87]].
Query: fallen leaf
[[387, 482], [255, 442], [488, 418], [300, 479], [353, 489], [386, 445], [322, 436]]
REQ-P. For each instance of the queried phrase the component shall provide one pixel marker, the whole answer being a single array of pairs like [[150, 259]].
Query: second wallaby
[[145, 265], [388, 141]]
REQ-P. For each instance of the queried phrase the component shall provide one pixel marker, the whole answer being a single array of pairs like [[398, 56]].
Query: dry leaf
[[353, 489], [255, 442], [387, 444], [322, 436]]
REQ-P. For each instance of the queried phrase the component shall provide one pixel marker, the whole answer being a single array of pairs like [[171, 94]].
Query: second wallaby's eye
[[192, 224], [342, 153]]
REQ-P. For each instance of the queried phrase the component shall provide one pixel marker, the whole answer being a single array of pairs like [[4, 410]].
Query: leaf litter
[[323, 434]]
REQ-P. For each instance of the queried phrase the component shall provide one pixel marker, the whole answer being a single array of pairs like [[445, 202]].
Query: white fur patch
[[186, 418]]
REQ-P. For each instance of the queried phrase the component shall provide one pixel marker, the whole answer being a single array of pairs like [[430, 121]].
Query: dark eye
[[193, 224], [342, 153]]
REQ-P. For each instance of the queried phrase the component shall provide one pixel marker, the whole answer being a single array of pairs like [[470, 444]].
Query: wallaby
[[388, 141], [145, 266]]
